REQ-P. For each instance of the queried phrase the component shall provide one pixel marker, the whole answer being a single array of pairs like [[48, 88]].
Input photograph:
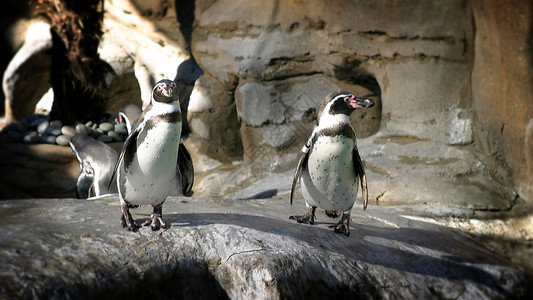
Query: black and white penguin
[[96, 161], [130, 114], [146, 169], [330, 167]]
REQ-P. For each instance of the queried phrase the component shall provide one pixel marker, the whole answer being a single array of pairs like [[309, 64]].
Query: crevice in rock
[[185, 16]]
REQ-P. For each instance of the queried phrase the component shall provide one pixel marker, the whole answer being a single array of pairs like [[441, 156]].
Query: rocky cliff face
[[252, 74]]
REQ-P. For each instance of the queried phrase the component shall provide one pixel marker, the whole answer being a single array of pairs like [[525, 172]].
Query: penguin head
[[342, 102], [165, 91]]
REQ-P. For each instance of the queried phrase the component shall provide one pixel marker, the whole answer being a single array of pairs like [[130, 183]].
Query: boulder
[[223, 248]]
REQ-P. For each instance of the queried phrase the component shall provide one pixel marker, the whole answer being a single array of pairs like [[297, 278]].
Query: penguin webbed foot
[[127, 220], [307, 218], [343, 226], [156, 219], [332, 213]]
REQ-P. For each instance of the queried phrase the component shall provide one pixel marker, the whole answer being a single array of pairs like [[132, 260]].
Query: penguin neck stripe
[[339, 129]]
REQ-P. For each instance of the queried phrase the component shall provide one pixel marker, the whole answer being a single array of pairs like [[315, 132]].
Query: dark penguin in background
[[96, 161], [148, 169], [330, 167]]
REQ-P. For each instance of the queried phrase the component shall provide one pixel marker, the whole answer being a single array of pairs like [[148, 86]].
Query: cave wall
[[502, 86], [456, 72]]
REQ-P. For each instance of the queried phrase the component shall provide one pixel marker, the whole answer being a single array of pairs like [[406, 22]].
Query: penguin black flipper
[[301, 163], [129, 148], [96, 161], [360, 172], [186, 170]]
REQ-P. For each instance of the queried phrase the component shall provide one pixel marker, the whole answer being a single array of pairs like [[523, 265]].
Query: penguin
[[146, 169], [96, 161], [129, 114], [330, 167]]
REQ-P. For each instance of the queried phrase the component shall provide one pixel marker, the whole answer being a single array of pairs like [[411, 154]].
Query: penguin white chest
[[329, 180], [153, 174], [158, 152]]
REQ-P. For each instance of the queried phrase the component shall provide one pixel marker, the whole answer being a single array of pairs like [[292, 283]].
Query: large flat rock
[[67, 248]]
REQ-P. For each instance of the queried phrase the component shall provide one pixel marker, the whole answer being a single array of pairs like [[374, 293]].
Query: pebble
[[36, 128], [56, 124], [82, 129], [38, 122], [63, 140], [52, 130], [68, 131], [106, 126], [121, 129], [105, 138], [14, 136], [49, 139], [31, 137], [41, 128], [114, 136]]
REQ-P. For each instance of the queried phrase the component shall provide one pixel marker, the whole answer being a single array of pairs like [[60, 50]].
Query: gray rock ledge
[[229, 248]]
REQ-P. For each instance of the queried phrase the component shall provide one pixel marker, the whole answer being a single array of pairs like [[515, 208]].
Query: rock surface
[[229, 248]]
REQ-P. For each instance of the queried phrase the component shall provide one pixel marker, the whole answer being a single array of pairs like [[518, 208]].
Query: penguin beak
[[356, 102], [168, 89]]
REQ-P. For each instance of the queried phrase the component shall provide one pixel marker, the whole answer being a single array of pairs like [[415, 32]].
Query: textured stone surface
[[239, 249], [503, 90]]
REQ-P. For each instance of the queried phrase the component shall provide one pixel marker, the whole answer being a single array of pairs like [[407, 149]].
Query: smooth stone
[[89, 124], [106, 126], [114, 135], [68, 131], [56, 124], [121, 129], [35, 123], [31, 137], [94, 133], [105, 139], [41, 128], [52, 131], [82, 129], [49, 139], [14, 136], [63, 140]]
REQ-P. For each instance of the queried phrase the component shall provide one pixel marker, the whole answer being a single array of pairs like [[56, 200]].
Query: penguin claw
[[127, 220], [156, 222], [303, 219], [156, 219], [343, 225], [307, 218]]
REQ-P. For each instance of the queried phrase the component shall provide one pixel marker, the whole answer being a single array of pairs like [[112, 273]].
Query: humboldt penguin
[[96, 161], [147, 169], [330, 167]]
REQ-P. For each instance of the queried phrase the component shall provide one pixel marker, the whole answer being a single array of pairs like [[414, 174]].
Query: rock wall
[[257, 70], [502, 85]]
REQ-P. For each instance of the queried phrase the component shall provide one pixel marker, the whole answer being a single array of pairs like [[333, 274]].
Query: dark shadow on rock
[[187, 74], [454, 260], [263, 195]]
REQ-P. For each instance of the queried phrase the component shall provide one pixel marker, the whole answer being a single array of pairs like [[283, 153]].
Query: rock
[[56, 124], [241, 249], [68, 131], [52, 130], [121, 129], [63, 140], [36, 170], [105, 138], [49, 139], [41, 125], [114, 136], [31, 137], [14, 136], [105, 126], [82, 129]]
